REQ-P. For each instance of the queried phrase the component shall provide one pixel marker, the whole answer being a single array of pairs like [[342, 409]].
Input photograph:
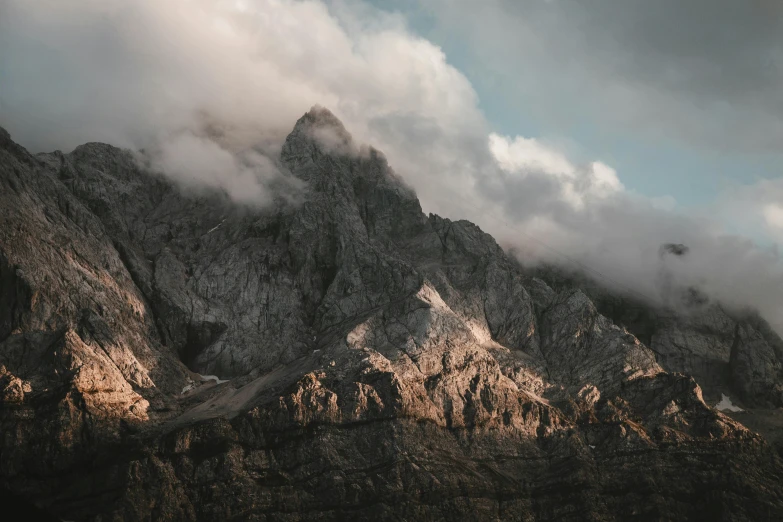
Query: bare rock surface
[[368, 361], [726, 351]]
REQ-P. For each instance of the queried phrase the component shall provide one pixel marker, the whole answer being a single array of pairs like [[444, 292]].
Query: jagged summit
[[8, 144], [320, 124], [167, 357], [357, 180], [319, 116], [320, 129]]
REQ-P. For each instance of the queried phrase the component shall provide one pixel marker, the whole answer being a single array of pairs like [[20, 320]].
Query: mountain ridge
[[382, 363]]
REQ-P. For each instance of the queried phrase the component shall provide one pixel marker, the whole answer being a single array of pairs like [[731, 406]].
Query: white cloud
[[233, 76], [604, 179], [521, 154], [198, 161], [773, 213], [528, 156]]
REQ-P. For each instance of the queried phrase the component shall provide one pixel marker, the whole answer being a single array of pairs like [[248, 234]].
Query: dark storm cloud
[[708, 71], [728, 50]]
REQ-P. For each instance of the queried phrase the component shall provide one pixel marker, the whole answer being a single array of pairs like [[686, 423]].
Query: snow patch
[[215, 378], [192, 385], [725, 404], [216, 227]]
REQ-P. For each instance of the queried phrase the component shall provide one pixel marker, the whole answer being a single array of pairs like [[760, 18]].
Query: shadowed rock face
[[725, 351], [381, 363]]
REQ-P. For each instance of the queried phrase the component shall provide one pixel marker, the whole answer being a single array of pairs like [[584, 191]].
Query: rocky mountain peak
[[320, 150], [8, 144], [352, 186], [318, 132], [321, 117]]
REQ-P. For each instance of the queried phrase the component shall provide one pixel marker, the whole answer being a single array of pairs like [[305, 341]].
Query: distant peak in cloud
[[675, 249], [320, 116], [323, 127]]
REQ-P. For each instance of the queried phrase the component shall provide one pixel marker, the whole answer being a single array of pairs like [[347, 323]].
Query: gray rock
[[382, 364], [726, 351]]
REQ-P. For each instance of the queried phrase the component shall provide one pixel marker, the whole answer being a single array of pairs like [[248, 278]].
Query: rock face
[[381, 363], [725, 351]]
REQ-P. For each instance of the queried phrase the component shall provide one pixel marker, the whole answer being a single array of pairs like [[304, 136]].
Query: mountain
[[363, 360], [725, 350]]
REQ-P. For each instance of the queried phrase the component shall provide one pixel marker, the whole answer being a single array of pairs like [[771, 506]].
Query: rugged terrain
[[370, 361]]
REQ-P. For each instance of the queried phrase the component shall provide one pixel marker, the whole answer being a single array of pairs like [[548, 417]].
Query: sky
[[701, 108], [584, 133]]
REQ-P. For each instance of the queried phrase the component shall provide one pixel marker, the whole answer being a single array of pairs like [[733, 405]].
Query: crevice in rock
[[199, 337], [734, 356], [15, 295]]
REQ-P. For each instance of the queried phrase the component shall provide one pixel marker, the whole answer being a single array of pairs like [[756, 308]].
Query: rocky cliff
[[727, 351], [368, 361]]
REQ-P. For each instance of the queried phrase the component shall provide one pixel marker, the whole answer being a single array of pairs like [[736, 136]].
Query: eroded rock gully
[[380, 363]]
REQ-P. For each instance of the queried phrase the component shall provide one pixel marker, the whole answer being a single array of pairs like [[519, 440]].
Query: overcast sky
[[592, 130]]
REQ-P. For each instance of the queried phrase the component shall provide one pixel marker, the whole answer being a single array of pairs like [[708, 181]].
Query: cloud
[[229, 76], [528, 156], [756, 207], [773, 213], [211, 88], [246, 177], [706, 72]]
